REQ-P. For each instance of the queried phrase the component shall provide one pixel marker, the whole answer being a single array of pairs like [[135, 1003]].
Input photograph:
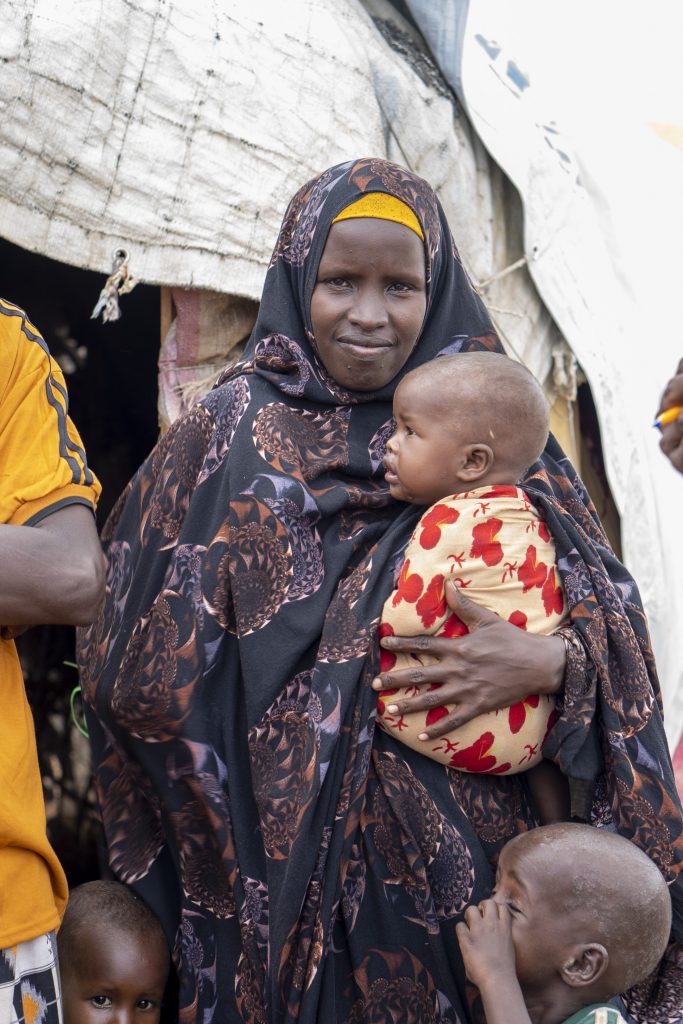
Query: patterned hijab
[[305, 867]]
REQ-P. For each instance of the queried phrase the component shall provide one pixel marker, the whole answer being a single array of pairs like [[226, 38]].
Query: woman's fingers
[[461, 715], [473, 615]]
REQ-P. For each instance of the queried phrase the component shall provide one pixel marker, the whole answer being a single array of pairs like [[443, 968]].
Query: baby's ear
[[477, 461], [586, 963]]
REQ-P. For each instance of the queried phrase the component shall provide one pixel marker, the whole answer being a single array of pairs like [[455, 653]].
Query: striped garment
[[29, 983]]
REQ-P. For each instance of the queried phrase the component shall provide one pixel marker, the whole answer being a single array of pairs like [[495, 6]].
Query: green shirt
[[598, 1013]]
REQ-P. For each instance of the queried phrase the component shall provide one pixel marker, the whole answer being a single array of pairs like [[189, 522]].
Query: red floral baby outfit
[[492, 543]]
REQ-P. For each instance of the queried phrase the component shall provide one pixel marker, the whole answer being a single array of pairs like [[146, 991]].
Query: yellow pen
[[668, 416]]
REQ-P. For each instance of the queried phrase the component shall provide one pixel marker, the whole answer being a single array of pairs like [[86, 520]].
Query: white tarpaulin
[[180, 130], [603, 230]]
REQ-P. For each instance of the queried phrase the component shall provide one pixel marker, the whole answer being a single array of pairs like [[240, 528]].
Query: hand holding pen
[[669, 419]]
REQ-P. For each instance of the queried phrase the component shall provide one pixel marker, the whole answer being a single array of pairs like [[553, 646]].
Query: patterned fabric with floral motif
[[492, 543], [305, 865]]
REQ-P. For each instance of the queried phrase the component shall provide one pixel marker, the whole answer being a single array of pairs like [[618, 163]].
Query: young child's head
[[589, 911], [464, 421], [112, 956]]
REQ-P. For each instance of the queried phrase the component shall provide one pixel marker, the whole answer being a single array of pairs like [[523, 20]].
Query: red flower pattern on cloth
[[432, 604], [552, 593], [454, 626], [409, 585], [517, 712], [531, 572], [517, 618], [432, 522], [484, 542], [497, 491], [478, 757], [387, 659], [506, 574]]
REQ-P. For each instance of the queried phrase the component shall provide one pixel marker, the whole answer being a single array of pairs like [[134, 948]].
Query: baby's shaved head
[[607, 889], [500, 399]]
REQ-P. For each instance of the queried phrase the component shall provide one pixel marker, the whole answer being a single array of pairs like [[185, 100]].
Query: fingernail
[[422, 736], [376, 683], [392, 709]]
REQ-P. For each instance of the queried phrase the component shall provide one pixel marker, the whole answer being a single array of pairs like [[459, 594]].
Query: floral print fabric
[[492, 543], [305, 866]]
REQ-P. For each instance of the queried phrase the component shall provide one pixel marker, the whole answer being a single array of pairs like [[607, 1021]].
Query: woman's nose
[[369, 311]]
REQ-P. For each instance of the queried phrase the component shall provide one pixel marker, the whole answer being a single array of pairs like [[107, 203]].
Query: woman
[[307, 867]]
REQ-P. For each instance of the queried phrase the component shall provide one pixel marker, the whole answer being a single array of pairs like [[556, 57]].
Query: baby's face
[[118, 978], [424, 451], [524, 884]]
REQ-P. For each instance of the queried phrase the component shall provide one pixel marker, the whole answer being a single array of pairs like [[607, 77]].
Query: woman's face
[[369, 301]]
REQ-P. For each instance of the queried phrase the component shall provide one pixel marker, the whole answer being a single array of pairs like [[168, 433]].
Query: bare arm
[[52, 572], [485, 939], [494, 666]]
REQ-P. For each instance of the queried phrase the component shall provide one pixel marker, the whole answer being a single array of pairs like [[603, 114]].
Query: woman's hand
[[496, 664], [672, 435]]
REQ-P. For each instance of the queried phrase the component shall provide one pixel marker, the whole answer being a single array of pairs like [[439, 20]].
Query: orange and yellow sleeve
[[43, 465]]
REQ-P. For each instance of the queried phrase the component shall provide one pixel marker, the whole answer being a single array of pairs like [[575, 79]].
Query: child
[[113, 957], [577, 916], [468, 427]]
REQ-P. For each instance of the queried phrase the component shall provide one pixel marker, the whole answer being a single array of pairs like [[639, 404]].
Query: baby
[[468, 427], [577, 916], [113, 957]]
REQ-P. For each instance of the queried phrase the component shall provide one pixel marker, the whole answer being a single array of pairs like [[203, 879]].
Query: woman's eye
[[401, 286], [146, 1004], [101, 1002], [338, 282]]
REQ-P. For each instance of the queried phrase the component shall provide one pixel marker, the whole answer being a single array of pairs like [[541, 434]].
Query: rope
[[119, 282]]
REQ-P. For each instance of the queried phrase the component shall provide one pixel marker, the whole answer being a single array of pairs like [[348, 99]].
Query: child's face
[[524, 884], [423, 452], [119, 979]]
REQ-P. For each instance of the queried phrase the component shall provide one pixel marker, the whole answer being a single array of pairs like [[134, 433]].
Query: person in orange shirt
[[51, 571]]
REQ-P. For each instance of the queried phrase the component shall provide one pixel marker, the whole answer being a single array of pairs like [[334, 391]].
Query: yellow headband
[[382, 206]]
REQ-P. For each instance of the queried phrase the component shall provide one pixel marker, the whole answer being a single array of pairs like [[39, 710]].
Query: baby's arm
[[485, 939]]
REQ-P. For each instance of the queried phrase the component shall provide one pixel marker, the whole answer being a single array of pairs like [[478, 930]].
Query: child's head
[[589, 910], [464, 421], [112, 956]]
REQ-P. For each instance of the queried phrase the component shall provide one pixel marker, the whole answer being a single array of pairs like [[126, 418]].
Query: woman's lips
[[365, 348]]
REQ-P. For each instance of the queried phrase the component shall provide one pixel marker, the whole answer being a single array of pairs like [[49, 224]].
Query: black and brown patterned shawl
[[307, 867]]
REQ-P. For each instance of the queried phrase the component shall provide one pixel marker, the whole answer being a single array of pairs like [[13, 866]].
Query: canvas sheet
[[603, 234], [179, 131]]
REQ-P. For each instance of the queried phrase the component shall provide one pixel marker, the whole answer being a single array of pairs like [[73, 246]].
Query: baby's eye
[[101, 1002], [410, 432]]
